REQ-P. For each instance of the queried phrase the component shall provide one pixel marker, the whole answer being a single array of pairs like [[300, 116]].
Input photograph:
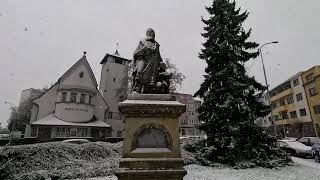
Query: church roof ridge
[[83, 59], [113, 55]]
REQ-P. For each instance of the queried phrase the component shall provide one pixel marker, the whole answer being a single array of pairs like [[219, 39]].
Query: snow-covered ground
[[306, 162], [304, 169]]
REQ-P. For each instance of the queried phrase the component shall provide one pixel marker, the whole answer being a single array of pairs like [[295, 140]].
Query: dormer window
[[73, 97], [64, 97], [82, 98]]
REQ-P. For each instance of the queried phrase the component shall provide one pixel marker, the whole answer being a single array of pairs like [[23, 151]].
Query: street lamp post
[[13, 124], [266, 81]]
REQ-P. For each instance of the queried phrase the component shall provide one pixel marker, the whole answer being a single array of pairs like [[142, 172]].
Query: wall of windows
[[72, 132], [76, 97]]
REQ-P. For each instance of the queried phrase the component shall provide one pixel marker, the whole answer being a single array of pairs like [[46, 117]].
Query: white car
[[76, 141], [295, 148]]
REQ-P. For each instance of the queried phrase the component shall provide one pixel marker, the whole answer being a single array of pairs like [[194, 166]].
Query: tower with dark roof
[[113, 87]]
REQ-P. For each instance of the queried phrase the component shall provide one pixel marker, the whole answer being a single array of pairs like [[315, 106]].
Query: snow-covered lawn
[[306, 162], [304, 169]]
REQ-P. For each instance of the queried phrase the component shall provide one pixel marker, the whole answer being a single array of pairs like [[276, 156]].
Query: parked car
[[76, 141], [316, 152], [289, 139], [309, 141], [294, 148]]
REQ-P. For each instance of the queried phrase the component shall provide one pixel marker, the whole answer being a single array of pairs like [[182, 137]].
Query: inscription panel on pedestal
[[152, 138]]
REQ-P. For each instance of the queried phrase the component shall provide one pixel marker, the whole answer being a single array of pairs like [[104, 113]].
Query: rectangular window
[[313, 91], [64, 97], [58, 134], [82, 132], [119, 133], [293, 114], [296, 82], [106, 112], [282, 102], [276, 117], [63, 132], [316, 109], [118, 61], [115, 116], [290, 100], [73, 97], [90, 100], [109, 115], [309, 77], [265, 121], [303, 112], [273, 105], [284, 114], [67, 132], [82, 98], [73, 133], [299, 96], [120, 116]]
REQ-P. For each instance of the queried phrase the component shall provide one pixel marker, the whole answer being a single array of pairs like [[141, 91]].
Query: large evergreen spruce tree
[[231, 98]]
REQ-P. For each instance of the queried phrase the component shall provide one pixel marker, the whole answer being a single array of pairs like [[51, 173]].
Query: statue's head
[[150, 34]]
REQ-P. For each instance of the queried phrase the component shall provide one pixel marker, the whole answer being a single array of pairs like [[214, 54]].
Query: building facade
[[290, 108], [114, 87], [295, 106], [29, 93], [72, 108], [189, 120], [311, 83], [266, 121]]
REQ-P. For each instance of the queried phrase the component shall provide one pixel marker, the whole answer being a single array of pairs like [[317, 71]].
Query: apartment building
[[295, 106], [290, 108], [311, 84]]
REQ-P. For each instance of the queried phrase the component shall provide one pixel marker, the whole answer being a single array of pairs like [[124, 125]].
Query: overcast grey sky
[[40, 40]]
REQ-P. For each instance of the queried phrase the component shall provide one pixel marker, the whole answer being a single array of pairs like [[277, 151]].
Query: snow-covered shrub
[[58, 160], [196, 151]]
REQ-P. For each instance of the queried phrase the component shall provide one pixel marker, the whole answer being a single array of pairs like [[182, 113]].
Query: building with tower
[[114, 89], [72, 108]]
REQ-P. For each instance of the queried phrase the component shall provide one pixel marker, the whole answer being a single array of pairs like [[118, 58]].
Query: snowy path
[[286, 173], [306, 162], [305, 169]]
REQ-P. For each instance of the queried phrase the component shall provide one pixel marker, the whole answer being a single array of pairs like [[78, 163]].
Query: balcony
[[282, 94]]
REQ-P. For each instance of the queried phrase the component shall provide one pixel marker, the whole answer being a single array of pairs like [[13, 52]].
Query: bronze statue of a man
[[149, 69]]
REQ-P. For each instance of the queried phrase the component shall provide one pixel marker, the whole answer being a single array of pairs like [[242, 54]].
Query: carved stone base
[[151, 148]]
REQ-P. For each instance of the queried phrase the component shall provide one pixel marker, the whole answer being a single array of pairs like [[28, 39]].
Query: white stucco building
[[73, 107], [113, 87]]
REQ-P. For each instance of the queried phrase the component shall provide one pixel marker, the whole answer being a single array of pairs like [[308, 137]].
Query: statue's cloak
[[149, 53]]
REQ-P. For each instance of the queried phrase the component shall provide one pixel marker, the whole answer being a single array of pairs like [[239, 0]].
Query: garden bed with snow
[[57, 160]]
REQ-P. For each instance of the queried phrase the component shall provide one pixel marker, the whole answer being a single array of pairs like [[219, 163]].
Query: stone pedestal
[[151, 148]]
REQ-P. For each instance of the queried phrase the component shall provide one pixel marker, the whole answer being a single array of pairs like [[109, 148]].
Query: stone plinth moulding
[[151, 148]]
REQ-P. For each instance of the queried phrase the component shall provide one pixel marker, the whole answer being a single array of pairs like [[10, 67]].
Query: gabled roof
[[81, 61], [116, 55]]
